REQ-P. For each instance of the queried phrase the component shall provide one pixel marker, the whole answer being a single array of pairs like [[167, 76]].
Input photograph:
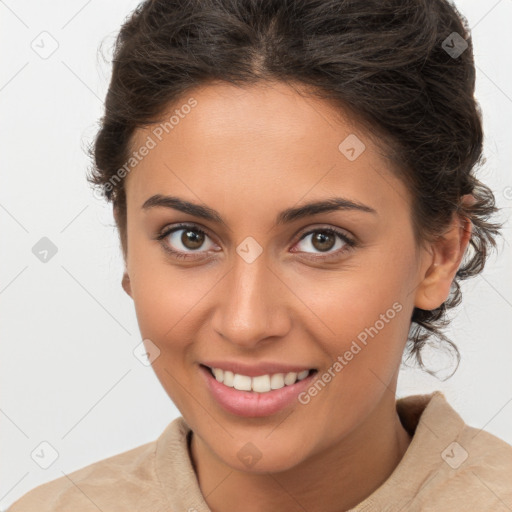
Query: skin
[[249, 153]]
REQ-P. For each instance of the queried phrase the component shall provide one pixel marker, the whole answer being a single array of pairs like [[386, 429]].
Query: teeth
[[259, 384], [228, 378], [242, 382], [302, 375], [219, 374], [277, 381], [290, 378]]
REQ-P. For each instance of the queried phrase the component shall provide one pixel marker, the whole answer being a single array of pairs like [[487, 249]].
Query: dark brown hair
[[389, 62]]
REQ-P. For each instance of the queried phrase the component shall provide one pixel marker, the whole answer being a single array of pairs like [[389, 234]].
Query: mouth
[[257, 396], [264, 383]]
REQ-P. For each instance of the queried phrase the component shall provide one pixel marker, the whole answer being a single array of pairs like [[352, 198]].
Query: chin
[[266, 464], [262, 457]]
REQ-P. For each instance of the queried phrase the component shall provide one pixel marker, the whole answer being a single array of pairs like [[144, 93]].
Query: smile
[[260, 383], [256, 396]]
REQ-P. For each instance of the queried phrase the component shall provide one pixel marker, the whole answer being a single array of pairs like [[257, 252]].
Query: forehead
[[259, 143], [254, 114]]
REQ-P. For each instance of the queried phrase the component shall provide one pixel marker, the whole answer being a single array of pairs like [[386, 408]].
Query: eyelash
[[350, 243]]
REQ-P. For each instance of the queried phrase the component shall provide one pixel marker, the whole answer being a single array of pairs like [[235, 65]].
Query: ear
[[115, 211], [125, 283], [444, 259]]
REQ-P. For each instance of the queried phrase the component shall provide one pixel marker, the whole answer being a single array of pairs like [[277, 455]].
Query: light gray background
[[68, 330]]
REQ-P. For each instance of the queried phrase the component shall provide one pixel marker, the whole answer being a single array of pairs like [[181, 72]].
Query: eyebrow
[[286, 216]]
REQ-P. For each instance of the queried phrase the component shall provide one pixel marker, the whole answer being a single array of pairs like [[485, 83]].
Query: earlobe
[[115, 213], [445, 257], [125, 283]]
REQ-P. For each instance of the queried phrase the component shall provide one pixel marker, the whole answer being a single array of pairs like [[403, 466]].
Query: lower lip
[[250, 403]]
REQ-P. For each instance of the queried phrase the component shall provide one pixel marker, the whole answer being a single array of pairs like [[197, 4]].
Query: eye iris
[[192, 239], [325, 240]]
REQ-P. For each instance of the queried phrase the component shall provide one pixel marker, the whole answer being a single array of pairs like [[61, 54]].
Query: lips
[[255, 370], [251, 403]]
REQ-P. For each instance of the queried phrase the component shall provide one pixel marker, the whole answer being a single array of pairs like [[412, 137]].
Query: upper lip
[[253, 370]]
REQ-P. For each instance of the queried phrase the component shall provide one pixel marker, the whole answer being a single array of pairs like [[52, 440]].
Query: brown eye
[[323, 241], [184, 241], [192, 239]]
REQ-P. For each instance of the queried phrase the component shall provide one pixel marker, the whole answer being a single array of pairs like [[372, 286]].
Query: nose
[[253, 304]]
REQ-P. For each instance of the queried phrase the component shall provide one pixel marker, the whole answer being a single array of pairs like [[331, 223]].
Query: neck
[[333, 480]]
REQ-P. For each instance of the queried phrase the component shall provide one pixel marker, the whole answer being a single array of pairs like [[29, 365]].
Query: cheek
[[162, 303], [168, 299], [367, 310]]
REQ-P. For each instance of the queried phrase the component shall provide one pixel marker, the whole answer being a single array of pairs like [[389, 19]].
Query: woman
[[294, 186]]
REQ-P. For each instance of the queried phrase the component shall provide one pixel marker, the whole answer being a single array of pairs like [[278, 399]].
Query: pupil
[[319, 241], [192, 239]]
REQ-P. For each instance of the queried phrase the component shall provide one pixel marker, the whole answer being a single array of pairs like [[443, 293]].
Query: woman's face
[[259, 286]]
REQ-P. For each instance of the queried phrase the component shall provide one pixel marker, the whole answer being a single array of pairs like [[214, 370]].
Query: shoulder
[[448, 465], [474, 467], [112, 484], [476, 472]]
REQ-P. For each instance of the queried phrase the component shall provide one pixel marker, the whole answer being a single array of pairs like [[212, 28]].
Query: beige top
[[448, 466]]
